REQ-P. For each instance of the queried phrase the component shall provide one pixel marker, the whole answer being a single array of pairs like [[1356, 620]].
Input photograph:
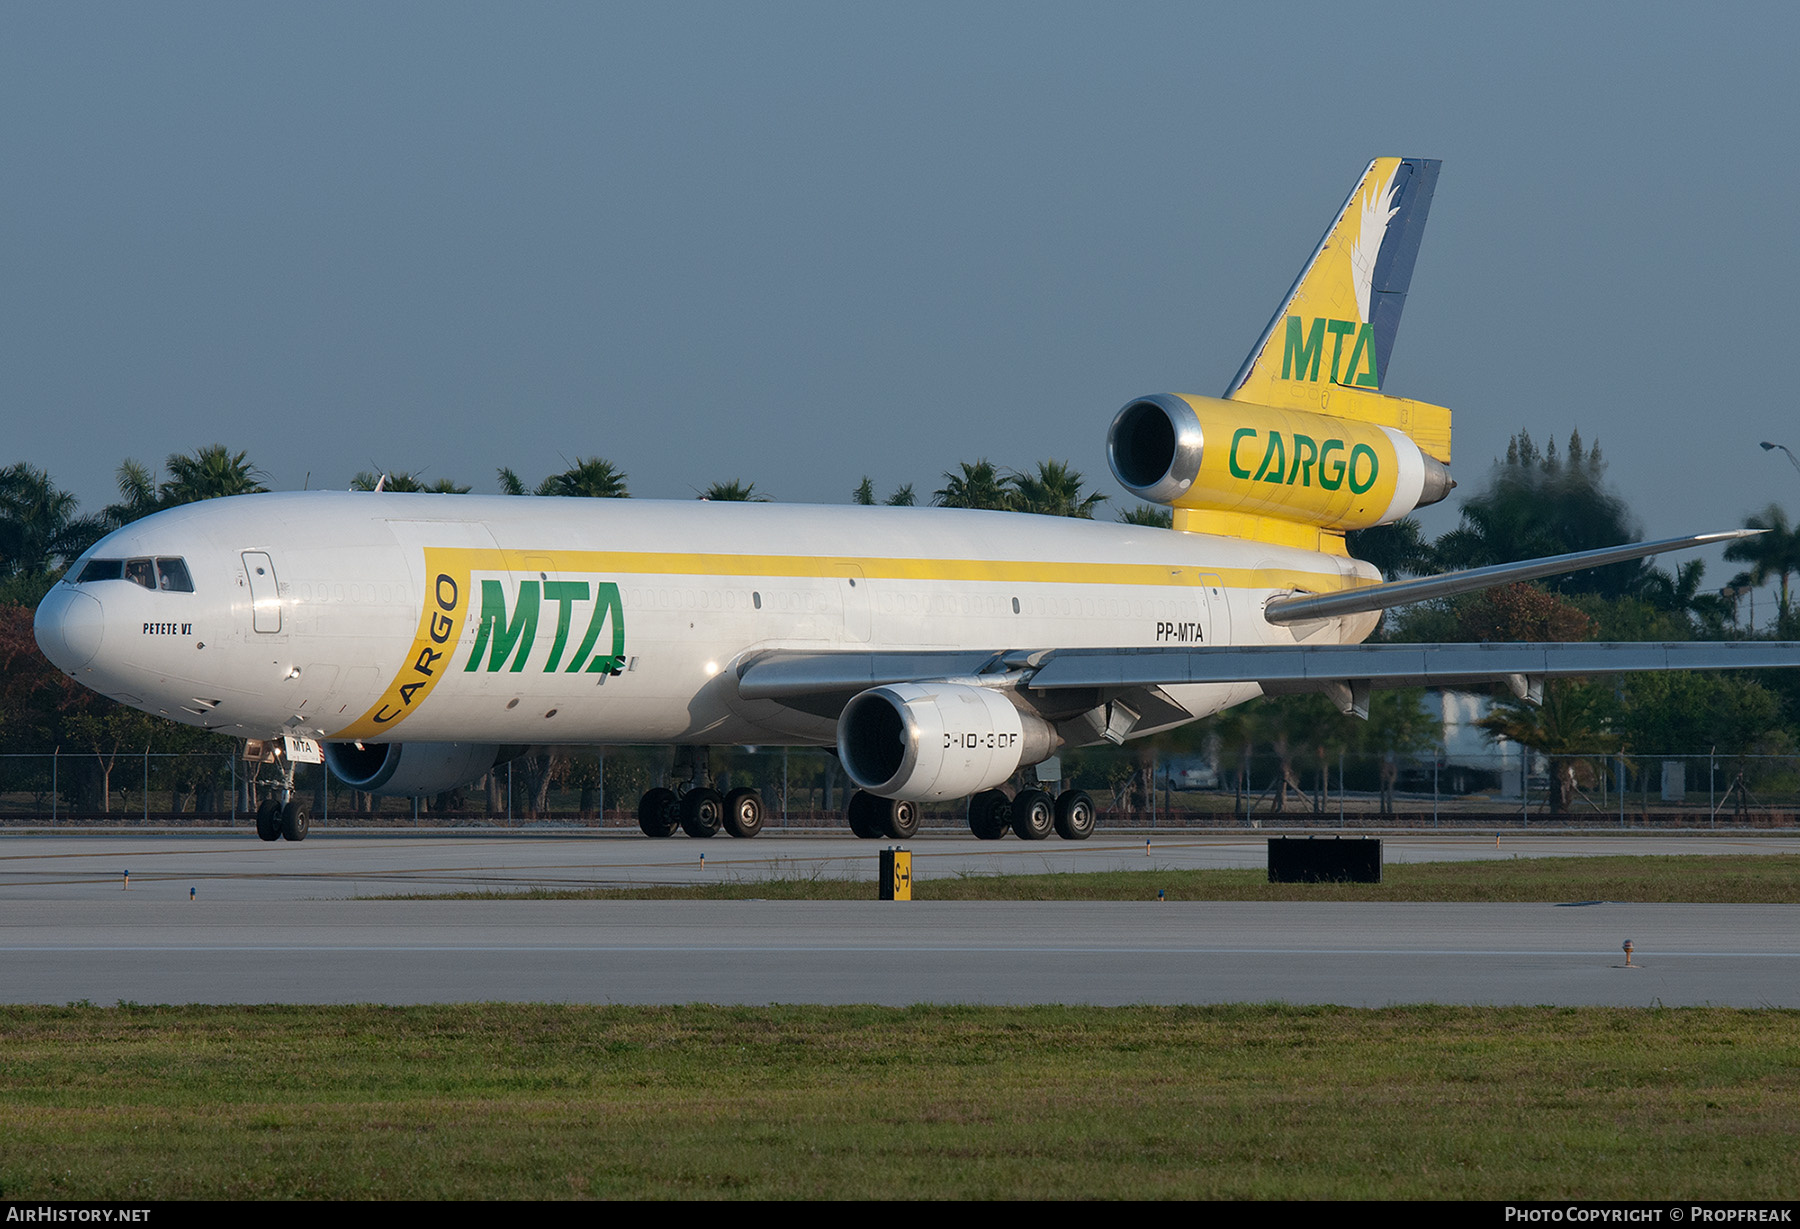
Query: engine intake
[[926, 741]]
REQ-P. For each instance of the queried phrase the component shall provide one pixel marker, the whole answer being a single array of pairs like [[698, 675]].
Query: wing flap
[[1396, 665]]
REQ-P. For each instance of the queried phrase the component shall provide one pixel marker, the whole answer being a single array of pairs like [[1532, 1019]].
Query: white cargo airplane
[[424, 639]]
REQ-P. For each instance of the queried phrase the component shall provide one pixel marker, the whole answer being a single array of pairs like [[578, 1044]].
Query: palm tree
[[38, 525], [977, 486], [209, 473], [864, 495], [1572, 721], [1773, 553], [592, 477], [1055, 490], [1399, 549], [1149, 516], [138, 496], [734, 492], [405, 484]]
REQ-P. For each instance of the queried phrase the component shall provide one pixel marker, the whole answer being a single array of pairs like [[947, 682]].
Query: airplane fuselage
[[388, 617]]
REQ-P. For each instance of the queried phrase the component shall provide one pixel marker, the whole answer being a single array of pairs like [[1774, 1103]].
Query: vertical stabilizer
[[1335, 330]]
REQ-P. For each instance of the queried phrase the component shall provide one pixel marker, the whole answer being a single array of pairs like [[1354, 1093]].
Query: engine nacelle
[[1231, 456], [413, 769], [926, 741]]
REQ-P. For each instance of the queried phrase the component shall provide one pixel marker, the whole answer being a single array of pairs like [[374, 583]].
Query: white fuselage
[[400, 617]]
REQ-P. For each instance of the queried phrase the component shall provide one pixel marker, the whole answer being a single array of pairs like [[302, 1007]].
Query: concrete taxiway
[[236, 866], [294, 924]]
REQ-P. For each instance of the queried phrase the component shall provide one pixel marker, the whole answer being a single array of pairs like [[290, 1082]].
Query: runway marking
[[666, 949]]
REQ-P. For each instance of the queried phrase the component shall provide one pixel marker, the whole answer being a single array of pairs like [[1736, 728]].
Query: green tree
[[975, 486], [1688, 712], [405, 484], [138, 496], [1575, 720], [734, 492], [864, 494], [39, 528], [1537, 503], [1054, 490], [212, 472], [589, 477], [1772, 554], [1150, 516], [1396, 550], [902, 497]]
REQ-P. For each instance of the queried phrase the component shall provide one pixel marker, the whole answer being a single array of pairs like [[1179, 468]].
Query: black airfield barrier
[[1324, 859], [1134, 789]]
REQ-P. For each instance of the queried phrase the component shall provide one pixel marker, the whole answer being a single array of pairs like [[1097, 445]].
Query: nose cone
[[68, 627]]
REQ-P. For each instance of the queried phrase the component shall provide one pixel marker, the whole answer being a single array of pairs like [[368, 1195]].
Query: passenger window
[[173, 575], [141, 572], [101, 569]]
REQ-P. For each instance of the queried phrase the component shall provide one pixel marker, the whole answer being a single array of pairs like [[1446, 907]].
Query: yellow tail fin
[[1326, 349]]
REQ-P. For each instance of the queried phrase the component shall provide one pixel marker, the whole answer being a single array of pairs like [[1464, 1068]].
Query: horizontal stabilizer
[[1424, 589]]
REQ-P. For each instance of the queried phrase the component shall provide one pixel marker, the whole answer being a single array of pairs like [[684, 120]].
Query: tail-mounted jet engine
[[413, 770], [926, 741], [1230, 456]]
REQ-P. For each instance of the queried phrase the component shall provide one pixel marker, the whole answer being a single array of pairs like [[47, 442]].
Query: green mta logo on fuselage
[[1305, 347], [500, 639]]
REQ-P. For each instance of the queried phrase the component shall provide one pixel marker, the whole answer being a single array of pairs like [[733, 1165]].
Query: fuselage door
[[265, 595], [853, 589], [1218, 612]]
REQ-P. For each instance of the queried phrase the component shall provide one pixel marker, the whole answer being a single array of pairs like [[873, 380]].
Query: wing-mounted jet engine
[[412, 770]]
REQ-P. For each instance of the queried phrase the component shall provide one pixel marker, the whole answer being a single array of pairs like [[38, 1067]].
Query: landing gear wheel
[[296, 819], [1074, 815], [702, 811], [659, 813], [900, 819], [743, 812], [864, 814], [268, 820], [989, 813], [1033, 815]]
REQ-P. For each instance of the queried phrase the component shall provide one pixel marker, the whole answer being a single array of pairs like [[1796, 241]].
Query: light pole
[[1768, 447]]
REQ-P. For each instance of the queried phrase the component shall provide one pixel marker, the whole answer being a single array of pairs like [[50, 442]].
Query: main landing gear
[[700, 810], [1033, 814], [873, 818]]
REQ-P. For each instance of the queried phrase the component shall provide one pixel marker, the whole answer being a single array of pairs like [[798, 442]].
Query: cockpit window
[[169, 575], [173, 576]]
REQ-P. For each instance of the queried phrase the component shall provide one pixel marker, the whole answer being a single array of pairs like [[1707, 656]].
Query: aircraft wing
[[1395, 665], [1346, 671]]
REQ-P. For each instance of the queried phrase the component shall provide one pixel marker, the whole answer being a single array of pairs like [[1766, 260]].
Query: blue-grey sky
[[799, 243]]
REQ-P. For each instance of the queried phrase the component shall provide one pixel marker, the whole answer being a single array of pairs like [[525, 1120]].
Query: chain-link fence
[[1133, 789]]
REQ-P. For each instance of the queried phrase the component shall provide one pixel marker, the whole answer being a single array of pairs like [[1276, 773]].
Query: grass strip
[[540, 1101], [1693, 879]]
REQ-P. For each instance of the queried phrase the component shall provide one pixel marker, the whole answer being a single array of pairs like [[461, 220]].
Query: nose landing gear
[[281, 815]]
